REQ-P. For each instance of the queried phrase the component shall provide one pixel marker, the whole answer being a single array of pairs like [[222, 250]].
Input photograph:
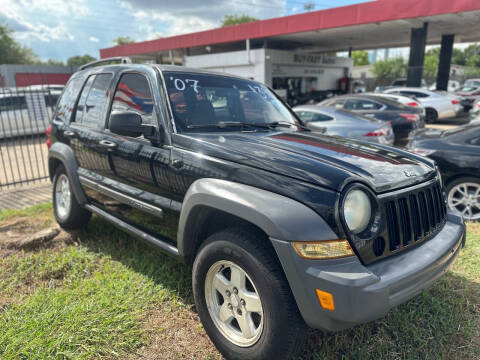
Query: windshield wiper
[[225, 124]]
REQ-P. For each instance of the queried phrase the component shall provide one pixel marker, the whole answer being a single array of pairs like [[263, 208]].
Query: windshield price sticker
[[181, 85], [259, 90]]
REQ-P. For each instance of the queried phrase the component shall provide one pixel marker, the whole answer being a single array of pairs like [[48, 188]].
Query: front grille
[[413, 217]]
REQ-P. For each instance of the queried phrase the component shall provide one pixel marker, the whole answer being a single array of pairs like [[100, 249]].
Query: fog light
[[328, 249], [325, 299]]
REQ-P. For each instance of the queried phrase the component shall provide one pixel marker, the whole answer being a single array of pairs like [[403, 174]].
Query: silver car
[[332, 121]]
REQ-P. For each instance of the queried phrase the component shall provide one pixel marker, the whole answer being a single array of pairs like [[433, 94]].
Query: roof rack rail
[[120, 59]]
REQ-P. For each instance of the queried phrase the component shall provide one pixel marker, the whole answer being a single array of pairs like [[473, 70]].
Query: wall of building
[[238, 63], [22, 75], [265, 64]]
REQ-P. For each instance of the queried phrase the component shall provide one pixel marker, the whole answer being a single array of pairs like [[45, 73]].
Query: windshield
[[206, 101], [468, 89]]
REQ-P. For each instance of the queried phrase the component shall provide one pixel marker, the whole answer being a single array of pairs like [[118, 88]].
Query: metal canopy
[[376, 24]]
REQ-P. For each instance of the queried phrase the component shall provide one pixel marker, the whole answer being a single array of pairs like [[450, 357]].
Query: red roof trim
[[370, 12]]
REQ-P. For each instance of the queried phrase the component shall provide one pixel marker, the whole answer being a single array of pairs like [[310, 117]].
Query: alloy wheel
[[464, 198], [63, 200], [234, 303]]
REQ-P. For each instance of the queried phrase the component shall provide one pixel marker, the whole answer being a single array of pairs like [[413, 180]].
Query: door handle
[[177, 163], [69, 134], [107, 144]]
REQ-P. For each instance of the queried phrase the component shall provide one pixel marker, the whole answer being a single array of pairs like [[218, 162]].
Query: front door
[[139, 168]]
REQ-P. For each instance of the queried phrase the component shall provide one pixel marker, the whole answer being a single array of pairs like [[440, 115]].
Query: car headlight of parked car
[[357, 210]]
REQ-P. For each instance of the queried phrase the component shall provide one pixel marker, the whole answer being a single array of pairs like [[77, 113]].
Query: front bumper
[[365, 293]]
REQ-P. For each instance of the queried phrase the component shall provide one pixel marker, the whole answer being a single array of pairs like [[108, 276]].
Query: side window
[[415, 94], [133, 94], [83, 98], [321, 117], [96, 100], [12, 103], [67, 101], [362, 104], [306, 116], [339, 104]]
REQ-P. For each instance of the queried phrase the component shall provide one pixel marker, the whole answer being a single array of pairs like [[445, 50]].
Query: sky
[[59, 29]]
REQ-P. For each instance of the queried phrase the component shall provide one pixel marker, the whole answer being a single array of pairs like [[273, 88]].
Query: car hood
[[323, 160]]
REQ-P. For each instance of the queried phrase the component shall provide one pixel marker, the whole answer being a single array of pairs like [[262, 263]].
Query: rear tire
[[68, 213], [431, 116], [277, 331]]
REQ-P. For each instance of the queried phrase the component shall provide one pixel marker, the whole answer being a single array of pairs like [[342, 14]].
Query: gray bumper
[[365, 293]]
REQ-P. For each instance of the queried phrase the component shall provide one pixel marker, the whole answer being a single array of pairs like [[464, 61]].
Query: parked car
[[282, 227], [457, 154], [401, 82], [475, 112], [25, 112], [472, 83], [403, 119], [405, 100], [470, 94], [437, 105], [452, 86], [338, 122]]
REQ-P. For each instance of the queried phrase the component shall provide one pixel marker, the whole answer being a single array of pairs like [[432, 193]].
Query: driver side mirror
[[130, 124]]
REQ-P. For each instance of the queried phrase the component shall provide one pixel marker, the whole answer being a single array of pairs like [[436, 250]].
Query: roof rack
[[120, 59]]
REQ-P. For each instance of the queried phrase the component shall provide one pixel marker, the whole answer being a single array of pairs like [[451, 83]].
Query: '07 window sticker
[[181, 85]]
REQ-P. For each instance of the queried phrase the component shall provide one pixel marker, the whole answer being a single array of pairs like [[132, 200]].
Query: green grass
[[30, 211], [93, 299]]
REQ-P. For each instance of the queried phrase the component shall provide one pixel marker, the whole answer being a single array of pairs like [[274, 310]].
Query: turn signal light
[[325, 299], [320, 250]]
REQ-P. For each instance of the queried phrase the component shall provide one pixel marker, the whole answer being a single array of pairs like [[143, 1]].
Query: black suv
[[283, 228]]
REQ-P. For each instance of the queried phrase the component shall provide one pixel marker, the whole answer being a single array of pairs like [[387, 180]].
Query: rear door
[[87, 126]]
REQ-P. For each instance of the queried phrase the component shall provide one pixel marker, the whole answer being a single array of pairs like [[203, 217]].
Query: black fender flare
[[278, 216], [64, 153]]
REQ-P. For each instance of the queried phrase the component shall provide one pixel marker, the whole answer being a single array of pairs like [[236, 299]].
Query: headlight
[[357, 210]]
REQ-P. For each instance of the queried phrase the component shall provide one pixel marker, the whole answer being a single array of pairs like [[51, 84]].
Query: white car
[[438, 105], [472, 83], [452, 86], [405, 100], [25, 112]]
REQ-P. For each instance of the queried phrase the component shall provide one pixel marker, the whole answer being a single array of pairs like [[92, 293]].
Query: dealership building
[[293, 53]]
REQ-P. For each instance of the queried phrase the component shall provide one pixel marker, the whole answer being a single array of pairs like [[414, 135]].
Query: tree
[[79, 60], [12, 52], [52, 62], [360, 58], [389, 69], [237, 19], [430, 67], [123, 40]]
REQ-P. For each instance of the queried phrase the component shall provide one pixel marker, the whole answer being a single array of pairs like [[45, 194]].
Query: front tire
[[243, 298], [68, 213]]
